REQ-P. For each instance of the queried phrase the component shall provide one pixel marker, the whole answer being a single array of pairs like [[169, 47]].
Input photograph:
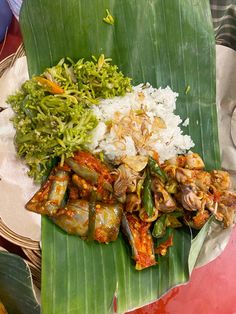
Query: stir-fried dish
[[119, 156], [93, 200]]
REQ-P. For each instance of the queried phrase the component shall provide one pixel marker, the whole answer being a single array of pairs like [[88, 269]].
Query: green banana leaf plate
[[163, 42]]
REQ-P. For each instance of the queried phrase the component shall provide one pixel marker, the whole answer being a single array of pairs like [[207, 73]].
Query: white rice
[[161, 102]]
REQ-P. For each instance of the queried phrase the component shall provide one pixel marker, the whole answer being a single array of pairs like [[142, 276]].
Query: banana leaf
[[163, 42], [16, 286]]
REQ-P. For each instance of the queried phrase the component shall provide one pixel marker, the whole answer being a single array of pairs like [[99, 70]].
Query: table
[[211, 289]]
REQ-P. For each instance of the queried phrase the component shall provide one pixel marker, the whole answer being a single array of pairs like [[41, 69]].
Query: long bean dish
[[121, 160]]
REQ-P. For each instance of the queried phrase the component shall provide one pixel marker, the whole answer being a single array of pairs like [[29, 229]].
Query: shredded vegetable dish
[[53, 118]]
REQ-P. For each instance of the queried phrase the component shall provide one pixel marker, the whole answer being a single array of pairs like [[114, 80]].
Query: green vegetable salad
[[52, 115]]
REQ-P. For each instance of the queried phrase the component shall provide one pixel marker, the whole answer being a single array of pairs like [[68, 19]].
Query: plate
[[233, 127], [23, 229], [17, 239]]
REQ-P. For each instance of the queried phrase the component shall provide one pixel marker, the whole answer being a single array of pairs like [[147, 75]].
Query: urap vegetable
[[52, 115]]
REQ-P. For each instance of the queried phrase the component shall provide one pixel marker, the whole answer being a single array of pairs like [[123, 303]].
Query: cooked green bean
[[147, 199], [57, 191], [92, 215], [159, 227], [156, 170], [83, 171]]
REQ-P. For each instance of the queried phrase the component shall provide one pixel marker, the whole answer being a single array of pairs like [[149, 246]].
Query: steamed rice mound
[[139, 123]]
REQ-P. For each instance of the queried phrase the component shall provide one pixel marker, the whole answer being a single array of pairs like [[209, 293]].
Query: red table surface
[[12, 41], [211, 289]]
